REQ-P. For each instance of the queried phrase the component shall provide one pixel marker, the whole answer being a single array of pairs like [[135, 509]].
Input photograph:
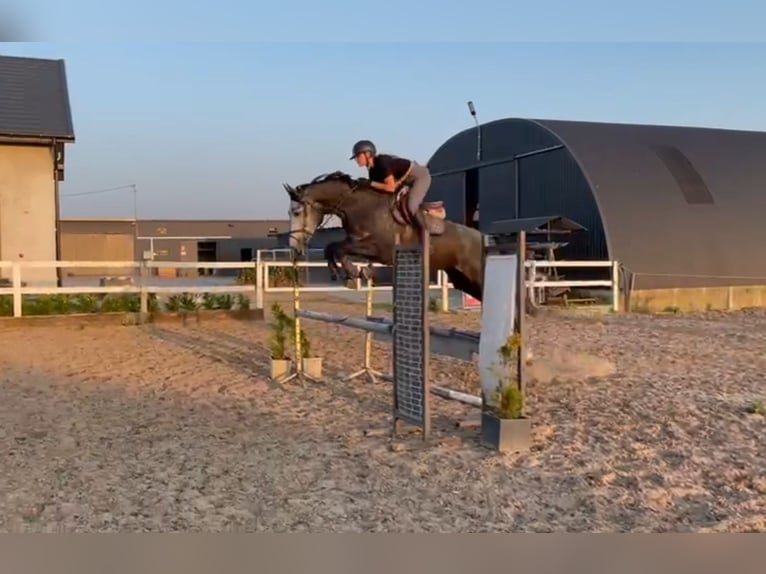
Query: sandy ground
[[640, 424]]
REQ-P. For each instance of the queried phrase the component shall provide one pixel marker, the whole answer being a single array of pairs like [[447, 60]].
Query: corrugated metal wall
[[450, 189], [551, 183], [97, 247]]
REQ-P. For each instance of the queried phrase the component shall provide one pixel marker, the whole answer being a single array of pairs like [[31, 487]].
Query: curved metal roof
[[676, 201]]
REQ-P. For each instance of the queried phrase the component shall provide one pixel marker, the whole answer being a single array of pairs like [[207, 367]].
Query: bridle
[[297, 195]]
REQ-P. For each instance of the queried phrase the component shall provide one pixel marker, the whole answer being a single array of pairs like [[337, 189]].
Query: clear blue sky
[[211, 129]]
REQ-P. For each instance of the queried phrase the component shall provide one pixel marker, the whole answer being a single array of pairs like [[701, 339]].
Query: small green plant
[[758, 408], [173, 304], [209, 301], [304, 339], [188, 302], [153, 303], [279, 325], [182, 302], [6, 305], [59, 304], [133, 303], [85, 303], [121, 303], [305, 345], [508, 400], [224, 301], [433, 305], [243, 302]]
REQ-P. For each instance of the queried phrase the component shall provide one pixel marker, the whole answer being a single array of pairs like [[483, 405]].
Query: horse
[[372, 219]]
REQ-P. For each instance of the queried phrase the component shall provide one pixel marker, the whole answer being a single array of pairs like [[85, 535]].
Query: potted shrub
[[280, 364], [312, 365], [503, 424]]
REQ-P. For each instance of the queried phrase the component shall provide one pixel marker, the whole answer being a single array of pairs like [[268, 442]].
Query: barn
[[679, 207], [35, 125], [185, 240]]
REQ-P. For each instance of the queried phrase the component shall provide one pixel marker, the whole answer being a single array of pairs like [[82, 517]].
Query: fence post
[[444, 282], [258, 281], [143, 278], [531, 270], [615, 286], [17, 296]]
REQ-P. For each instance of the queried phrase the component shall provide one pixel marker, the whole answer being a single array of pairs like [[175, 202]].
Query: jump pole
[[384, 330]]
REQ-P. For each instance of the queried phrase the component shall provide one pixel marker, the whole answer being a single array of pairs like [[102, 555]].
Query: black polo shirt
[[386, 165]]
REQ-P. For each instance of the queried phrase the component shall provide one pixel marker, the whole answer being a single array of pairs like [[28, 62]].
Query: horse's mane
[[356, 184], [333, 176]]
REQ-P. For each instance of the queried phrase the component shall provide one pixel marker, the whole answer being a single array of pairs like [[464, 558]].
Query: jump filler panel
[[411, 340]]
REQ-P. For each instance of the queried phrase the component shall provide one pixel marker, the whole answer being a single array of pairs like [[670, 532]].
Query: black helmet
[[362, 146]]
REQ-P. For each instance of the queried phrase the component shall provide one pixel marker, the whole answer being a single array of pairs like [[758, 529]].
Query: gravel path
[[640, 424]]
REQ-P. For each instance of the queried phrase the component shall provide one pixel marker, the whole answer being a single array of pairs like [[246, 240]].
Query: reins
[[334, 210]]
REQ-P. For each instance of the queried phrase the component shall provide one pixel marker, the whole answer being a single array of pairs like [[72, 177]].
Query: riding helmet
[[362, 146]]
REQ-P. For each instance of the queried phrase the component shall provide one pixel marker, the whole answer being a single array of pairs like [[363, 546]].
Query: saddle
[[433, 212]]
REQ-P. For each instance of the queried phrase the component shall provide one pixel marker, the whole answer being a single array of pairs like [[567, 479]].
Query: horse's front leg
[[336, 255], [359, 248], [330, 255]]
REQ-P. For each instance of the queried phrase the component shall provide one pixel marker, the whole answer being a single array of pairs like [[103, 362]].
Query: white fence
[[144, 287], [533, 284], [263, 286], [142, 269]]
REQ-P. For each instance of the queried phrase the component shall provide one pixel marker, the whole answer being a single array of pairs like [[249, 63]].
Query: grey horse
[[371, 220]]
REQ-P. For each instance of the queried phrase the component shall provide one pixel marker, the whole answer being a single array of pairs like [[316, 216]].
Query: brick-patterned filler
[[410, 344]]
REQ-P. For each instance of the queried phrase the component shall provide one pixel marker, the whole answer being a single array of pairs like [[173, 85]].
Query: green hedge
[[119, 303]]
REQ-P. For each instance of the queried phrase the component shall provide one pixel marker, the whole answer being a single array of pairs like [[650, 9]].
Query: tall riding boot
[[419, 221]]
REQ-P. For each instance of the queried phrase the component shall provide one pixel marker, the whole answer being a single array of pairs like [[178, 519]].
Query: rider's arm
[[389, 182]]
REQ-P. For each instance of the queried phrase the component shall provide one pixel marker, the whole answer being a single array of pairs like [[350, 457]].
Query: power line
[[94, 192]]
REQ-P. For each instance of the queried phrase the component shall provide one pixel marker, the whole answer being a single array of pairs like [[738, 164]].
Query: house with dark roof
[[678, 207], [35, 126]]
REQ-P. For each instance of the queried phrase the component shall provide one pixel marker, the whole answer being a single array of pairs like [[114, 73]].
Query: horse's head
[[311, 203]]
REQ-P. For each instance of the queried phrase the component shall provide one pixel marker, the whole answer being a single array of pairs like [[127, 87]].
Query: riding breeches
[[419, 182]]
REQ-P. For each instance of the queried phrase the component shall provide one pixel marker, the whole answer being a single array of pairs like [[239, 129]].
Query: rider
[[388, 173]]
